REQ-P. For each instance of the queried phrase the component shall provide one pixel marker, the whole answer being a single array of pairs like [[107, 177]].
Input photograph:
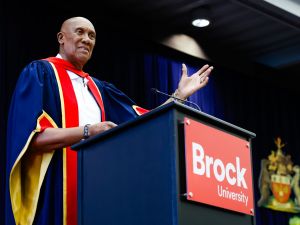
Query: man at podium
[[55, 105]]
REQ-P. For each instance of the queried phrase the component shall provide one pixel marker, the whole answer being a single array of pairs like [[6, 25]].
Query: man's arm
[[56, 138]]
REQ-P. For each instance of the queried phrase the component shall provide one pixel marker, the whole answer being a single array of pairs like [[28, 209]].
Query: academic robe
[[42, 187]]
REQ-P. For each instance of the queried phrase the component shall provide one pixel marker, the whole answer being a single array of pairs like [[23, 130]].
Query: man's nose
[[86, 38]]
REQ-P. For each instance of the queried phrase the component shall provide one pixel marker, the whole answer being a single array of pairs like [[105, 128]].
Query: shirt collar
[[73, 76]]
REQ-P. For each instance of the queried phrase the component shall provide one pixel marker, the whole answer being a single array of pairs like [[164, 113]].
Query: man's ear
[[60, 36]]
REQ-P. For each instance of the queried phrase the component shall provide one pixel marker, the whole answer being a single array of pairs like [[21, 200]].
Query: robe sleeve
[[26, 169]]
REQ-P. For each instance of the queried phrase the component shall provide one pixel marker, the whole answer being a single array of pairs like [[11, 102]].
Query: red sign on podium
[[218, 168]]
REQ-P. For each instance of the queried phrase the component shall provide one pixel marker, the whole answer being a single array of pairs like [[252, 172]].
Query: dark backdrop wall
[[134, 64], [3, 110]]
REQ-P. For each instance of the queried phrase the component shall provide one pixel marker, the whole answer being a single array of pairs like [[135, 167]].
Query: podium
[[135, 173]]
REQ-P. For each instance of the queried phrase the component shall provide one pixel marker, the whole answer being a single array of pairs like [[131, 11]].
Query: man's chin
[[83, 58]]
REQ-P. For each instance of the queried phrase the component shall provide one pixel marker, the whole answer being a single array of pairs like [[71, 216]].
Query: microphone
[[171, 96]]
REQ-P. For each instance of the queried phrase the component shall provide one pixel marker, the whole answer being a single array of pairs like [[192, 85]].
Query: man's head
[[77, 38]]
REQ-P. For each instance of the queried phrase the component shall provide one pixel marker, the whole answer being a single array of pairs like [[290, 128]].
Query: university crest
[[279, 181]]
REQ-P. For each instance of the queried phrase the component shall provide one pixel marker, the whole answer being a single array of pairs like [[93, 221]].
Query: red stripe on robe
[[72, 120]]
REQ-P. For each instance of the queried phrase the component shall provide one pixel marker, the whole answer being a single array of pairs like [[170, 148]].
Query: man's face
[[77, 39]]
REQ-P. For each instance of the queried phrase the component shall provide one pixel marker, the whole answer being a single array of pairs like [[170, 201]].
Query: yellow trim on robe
[[26, 178]]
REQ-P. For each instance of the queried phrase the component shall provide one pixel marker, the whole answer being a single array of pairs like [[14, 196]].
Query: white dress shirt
[[88, 109]]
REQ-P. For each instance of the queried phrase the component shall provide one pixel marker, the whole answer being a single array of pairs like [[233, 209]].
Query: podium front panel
[[129, 178]]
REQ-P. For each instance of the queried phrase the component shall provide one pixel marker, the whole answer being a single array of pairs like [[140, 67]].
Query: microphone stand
[[178, 99]]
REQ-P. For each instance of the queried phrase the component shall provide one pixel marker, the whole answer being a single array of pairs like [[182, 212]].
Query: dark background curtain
[[135, 65], [3, 112]]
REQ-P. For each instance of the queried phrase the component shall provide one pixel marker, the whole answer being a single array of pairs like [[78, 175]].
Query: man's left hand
[[188, 85]]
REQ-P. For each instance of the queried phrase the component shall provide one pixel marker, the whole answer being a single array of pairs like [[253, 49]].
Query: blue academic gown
[[34, 182]]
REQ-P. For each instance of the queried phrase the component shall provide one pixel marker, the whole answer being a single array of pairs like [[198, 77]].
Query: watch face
[[86, 131]]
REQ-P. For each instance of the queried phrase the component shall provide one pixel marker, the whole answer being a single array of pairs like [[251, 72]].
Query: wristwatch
[[86, 133]]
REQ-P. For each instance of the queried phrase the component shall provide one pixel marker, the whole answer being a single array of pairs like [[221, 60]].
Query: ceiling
[[252, 30], [248, 30]]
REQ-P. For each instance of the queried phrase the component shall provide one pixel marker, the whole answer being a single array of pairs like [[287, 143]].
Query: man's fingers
[[205, 73], [108, 125], [204, 81], [203, 69], [101, 127], [204, 76], [184, 70], [111, 124]]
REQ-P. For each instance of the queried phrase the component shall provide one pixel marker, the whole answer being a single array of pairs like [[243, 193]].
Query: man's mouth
[[84, 49]]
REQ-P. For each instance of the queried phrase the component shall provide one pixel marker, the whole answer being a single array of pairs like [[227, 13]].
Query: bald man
[[55, 105]]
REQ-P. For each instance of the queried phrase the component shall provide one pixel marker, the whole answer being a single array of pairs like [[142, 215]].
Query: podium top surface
[[162, 109]]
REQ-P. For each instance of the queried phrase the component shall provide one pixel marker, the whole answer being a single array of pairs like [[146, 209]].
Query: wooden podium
[[135, 174]]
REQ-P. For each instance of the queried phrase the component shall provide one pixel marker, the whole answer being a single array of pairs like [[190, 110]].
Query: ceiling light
[[200, 22], [201, 17]]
